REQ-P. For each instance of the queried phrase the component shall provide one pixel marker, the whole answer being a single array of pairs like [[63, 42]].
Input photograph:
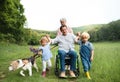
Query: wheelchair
[[67, 64]]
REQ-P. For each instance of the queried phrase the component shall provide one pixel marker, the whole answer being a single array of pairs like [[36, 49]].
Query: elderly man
[[66, 46]]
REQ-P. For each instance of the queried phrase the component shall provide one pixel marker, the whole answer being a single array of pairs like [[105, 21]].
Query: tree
[[12, 19], [108, 32]]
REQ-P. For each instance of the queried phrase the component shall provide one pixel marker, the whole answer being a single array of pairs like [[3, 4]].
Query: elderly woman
[[63, 23]]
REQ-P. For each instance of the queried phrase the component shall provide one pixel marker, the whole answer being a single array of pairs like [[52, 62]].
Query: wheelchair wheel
[[67, 62], [57, 66], [77, 71]]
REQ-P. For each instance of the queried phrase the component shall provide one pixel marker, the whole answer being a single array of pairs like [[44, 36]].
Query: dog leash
[[53, 47]]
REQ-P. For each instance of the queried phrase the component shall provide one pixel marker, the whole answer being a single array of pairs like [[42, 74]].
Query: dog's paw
[[21, 73], [30, 74]]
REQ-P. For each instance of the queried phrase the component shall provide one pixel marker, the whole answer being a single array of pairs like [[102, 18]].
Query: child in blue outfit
[[86, 53], [46, 54]]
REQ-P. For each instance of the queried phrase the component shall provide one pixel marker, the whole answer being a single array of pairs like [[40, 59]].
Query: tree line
[[102, 32], [107, 32]]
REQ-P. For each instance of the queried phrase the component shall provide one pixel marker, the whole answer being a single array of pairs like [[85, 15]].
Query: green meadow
[[105, 66]]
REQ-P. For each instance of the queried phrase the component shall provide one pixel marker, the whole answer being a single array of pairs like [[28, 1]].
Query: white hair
[[63, 19]]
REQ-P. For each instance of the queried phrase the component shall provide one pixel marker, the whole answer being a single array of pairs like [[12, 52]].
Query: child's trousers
[[45, 63]]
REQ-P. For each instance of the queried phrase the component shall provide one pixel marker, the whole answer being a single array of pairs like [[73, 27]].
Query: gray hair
[[63, 19]]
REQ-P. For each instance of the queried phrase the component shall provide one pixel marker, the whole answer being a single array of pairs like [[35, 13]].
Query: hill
[[87, 27]]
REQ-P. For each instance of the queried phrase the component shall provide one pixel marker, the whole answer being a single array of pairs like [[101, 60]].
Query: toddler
[[46, 54]]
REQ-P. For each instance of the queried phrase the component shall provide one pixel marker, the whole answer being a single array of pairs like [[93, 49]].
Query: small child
[[46, 54], [86, 53]]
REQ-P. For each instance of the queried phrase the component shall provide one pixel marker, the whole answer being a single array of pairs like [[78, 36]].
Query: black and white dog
[[25, 64]]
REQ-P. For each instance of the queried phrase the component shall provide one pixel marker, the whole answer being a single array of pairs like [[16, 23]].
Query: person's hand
[[47, 35], [78, 34], [91, 59]]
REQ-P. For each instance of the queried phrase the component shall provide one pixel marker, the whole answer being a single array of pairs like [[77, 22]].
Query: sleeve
[[91, 46], [54, 41], [79, 42], [39, 48]]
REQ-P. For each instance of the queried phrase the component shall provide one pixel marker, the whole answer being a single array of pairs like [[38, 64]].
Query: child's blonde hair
[[85, 35], [43, 38]]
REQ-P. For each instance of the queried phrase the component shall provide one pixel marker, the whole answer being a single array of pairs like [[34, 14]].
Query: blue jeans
[[73, 56]]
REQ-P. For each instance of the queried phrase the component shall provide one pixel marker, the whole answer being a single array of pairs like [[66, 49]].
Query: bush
[[33, 41], [7, 38]]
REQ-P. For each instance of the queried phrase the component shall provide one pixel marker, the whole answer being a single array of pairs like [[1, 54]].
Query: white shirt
[[65, 43]]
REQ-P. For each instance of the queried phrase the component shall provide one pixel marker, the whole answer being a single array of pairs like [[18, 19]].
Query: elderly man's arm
[[55, 40]]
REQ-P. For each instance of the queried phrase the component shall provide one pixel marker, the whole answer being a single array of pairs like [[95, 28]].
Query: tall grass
[[105, 66]]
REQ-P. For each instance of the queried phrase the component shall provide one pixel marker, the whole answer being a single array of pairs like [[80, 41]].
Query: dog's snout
[[10, 68]]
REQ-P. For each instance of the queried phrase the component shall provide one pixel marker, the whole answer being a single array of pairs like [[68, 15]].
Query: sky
[[45, 14]]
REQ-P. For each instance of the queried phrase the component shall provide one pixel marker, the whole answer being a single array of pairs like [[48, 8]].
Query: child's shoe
[[44, 74], [88, 75]]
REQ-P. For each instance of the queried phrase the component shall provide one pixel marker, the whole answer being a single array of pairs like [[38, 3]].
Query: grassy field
[[105, 67]]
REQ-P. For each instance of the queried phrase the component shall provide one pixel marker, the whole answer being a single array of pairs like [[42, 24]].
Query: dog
[[25, 64]]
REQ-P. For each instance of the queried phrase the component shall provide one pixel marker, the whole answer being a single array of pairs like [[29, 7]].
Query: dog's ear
[[25, 61], [14, 64], [40, 53]]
